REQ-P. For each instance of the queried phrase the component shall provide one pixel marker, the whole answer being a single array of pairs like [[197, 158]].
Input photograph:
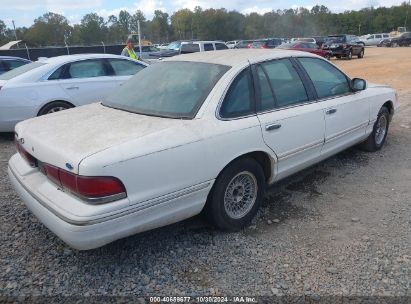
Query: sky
[[23, 12]]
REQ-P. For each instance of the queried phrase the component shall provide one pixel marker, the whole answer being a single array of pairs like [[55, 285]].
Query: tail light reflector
[[94, 189]]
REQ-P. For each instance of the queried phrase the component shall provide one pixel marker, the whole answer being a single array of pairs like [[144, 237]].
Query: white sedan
[[210, 132], [60, 83]]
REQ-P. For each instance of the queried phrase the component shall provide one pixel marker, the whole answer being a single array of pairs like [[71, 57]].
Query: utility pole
[[406, 16], [139, 37], [15, 33], [359, 29]]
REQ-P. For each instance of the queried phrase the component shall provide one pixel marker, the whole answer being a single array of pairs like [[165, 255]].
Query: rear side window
[[57, 74], [86, 69], [286, 84], [124, 67], [378, 36], [208, 47], [190, 48], [328, 80], [239, 100], [220, 46]]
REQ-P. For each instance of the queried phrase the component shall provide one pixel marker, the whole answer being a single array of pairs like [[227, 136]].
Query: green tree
[[3, 32], [49, 29], [182, 22], [92, 29]]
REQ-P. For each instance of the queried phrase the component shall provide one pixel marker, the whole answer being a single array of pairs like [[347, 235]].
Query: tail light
[[264, 46], [93, 189], [32, 161]]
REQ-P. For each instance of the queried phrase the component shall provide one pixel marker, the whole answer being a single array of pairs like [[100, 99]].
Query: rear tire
[[361, 54], [55, 106], [236, 195], [376, 140]]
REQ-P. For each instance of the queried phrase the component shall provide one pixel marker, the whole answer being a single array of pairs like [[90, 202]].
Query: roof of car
[[68, 58], [233, 57]]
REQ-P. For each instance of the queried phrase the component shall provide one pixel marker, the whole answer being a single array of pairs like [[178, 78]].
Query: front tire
[[349, 55], [376, 140], [236, 195], [55, 106]]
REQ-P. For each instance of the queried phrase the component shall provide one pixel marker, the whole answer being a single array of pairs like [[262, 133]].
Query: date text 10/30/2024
[[203, 300]]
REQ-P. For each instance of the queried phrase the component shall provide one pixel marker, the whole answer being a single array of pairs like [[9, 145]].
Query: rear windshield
[[168, 89], [336, 39], [20, 70]]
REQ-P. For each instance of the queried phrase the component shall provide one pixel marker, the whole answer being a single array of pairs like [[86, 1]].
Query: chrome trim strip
[[140, 206], [286, 107], [300, 149], [342, 133], [101, 200]]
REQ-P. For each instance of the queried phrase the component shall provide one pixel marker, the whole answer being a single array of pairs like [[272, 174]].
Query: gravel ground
[[341, 227]]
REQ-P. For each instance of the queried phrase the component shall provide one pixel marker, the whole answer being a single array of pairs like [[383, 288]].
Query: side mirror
[[358, 84]]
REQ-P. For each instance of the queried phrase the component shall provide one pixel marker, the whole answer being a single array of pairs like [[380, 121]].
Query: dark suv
[[403, 40], [344, 46]]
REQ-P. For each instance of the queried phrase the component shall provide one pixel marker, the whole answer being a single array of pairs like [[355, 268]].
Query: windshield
[[168, 89], [336, 39], [20, 70], [174, 46]]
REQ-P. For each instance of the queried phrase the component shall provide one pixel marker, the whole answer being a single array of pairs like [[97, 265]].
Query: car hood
[[371, 85], [165, 53], [69, 136]]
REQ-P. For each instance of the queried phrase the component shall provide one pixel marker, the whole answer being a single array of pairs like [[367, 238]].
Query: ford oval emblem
[[69, 166]]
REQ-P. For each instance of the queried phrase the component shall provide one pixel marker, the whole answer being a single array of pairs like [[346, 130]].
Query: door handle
[[272, 127], [330, 111], [72, 88]]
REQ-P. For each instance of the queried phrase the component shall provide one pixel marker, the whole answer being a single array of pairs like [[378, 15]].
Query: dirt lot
[[341, 227], [382, 65]]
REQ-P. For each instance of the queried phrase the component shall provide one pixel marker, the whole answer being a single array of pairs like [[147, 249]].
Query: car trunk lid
[[65, 138]]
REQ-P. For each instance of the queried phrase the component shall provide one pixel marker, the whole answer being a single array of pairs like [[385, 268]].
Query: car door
[[377, 39], [292, 123], [87, 81], [346, 112]]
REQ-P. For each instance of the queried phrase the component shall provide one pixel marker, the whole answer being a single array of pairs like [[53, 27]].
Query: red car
[[306, 47]]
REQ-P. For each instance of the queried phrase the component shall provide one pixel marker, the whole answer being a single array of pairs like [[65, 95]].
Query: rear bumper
[[339, 52], [84, 235]]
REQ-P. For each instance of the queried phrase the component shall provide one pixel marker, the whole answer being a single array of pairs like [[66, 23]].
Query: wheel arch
[[50, 102], [390, 106], [266, 161]]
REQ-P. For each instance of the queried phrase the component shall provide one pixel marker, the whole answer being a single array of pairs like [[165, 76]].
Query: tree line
[[53, 29]]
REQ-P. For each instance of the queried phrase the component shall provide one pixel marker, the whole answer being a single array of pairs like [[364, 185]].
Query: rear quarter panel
[[211, 146]]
